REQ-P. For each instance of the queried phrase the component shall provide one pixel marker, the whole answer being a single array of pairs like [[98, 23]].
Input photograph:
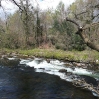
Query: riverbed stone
[[69, 73], [68, 64], [63, 70], [78, 64], [48, 60]]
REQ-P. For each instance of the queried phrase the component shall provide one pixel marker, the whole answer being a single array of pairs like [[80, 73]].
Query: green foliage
[[60, 46], [78, 43], [33, 28], [63, 33], [79, 56], [63, 27], [2, 36], [2, 29], [66, 38]]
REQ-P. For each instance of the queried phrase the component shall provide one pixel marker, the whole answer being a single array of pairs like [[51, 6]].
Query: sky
[[52, 3], [43, 4]]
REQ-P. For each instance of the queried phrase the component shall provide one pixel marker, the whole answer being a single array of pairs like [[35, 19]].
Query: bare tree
[[84, 20]]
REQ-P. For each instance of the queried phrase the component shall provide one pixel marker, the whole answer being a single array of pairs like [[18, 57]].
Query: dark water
[[16, 83]]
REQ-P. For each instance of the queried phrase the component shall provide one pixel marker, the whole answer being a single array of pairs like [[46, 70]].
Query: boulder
[[48, 60], [63, 71]]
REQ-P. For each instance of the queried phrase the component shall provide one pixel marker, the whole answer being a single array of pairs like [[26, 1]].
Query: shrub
[[60, 46]]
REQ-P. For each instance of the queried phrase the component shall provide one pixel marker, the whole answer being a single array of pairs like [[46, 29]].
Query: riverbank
[[78, 56], [25, 59]]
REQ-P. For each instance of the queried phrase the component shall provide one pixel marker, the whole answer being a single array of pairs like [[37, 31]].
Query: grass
[[83, 56]]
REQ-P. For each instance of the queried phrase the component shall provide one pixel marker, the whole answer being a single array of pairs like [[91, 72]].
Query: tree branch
[[90, 44], [17, 4], [73, 21], [84, 12], [80, 32]]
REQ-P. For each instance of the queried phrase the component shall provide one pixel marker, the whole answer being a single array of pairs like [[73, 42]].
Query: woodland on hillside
[[30, 27]]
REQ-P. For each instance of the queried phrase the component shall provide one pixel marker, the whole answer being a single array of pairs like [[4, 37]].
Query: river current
[[40, 79]]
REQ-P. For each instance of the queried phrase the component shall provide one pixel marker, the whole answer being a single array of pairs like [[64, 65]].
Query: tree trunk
[[80, 32]]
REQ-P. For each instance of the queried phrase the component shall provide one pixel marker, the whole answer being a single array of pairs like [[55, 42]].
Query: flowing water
[[39, 79]]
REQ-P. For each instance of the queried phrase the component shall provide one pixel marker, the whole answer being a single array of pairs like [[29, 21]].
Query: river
[[39, 79]]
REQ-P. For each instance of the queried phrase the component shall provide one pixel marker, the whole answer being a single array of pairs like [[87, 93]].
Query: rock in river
[[89, 80], [63, 71]]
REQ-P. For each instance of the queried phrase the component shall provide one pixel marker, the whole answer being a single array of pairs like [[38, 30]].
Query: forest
[[30, 27], [49, 53]]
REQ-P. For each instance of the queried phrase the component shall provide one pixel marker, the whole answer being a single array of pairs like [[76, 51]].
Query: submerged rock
[[26, 68], [11, 63], [89, 80], [42, 68], [69, 73]]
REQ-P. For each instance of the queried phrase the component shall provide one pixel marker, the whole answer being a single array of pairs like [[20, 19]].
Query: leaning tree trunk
[[89, 43], [80, 32]]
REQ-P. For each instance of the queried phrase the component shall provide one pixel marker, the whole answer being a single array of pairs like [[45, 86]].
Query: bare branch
[[95, 16], [81, 13], [17, 5], [73, 21], [82, 35]]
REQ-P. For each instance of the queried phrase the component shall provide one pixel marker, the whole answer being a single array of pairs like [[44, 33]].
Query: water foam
[[53, 67]]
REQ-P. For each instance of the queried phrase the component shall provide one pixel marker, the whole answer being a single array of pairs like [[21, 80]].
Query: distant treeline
[[30, 27]]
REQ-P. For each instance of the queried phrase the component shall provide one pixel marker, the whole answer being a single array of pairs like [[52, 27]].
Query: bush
[[60, 46]]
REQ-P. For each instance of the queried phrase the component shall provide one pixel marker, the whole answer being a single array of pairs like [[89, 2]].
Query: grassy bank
[[83, 56]]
